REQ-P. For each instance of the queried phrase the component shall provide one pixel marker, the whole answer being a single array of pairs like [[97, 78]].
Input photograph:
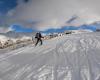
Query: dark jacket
[[38, 35]]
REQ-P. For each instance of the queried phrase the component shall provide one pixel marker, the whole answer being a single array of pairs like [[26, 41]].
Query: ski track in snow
[[74, 57]]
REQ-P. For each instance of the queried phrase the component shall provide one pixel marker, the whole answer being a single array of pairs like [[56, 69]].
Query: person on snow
[[38, 38]]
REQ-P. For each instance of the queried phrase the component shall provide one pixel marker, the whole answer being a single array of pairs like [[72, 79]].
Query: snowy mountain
[[13, 34], [81, 31], [96, 24], [68, 57], [15, 38], [16, 35]]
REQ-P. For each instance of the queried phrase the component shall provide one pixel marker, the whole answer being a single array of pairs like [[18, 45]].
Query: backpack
[[38, 35]]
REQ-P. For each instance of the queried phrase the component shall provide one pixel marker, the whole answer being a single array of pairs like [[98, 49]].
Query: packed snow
[[67, 57]]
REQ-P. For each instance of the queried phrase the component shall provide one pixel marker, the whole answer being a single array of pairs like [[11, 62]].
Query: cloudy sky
[[45, 14]]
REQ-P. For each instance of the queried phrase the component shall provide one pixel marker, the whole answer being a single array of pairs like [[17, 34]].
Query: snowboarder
[[38, 37]]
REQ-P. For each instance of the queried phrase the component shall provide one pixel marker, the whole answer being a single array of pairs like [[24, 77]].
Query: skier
[[38, 37]]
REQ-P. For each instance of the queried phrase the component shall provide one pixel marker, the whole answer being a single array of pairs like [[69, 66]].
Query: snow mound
[[81, 31], [3, 38]]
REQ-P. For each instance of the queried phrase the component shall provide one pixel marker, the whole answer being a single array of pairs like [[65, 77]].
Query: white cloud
[[54, 13], [11, 13]]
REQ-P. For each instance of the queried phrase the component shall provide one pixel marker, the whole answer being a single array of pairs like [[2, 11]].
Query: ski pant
[[38, 40]]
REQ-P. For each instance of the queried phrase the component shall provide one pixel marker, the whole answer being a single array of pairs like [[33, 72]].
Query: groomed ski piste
[[69, 57]]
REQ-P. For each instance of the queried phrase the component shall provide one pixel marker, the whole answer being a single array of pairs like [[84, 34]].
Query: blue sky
[[55, 15], [19, 28], [6, 5]]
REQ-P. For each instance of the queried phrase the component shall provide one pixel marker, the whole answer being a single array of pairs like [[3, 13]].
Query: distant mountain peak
[[10, 32]]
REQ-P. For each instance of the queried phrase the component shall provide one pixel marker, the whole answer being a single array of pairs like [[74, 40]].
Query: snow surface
[[70, 57]]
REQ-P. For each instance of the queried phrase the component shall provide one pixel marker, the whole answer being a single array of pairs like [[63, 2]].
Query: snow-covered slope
[[14, 35], [70, 57], [81, 31]]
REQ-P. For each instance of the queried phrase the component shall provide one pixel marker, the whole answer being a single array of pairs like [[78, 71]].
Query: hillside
[[69, 57]]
